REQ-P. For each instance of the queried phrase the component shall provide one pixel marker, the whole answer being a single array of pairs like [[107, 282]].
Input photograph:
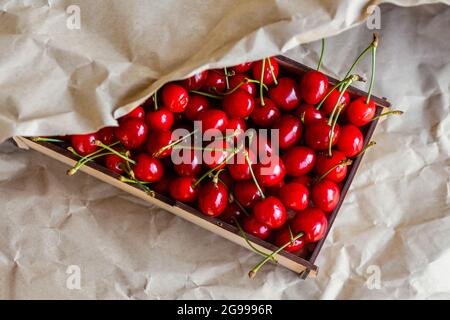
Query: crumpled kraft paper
[[73, 67], [390, 239]]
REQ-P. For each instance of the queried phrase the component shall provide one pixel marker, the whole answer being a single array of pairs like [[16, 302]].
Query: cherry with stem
[[117, 153], [244, 235], [261, 91], [347, 162], [275, 81]]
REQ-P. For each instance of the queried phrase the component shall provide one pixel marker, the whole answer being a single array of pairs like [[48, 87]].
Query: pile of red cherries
[[287, 200]]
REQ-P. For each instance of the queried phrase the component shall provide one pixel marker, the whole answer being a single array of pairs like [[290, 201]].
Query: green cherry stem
[[332, 89], [372, 78], [41, 139], [218, 167], [333, 125], [256, 268], [247, 159], [143, 184], [369, 145], [172, 144], [206, 94], [155, 100], [275, 81], [393, 112], [261, 82], [117, 153], [83, 161], [226, 78], [244, 235], [231, 194], [246, 80], [342, 92], [321, 55], [343, 163]]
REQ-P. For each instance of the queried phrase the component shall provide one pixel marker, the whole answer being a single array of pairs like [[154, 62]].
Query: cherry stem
[[230, 192], [155, 100], [275, 81], [246, 80], [247, 159], [332, 89], [226, 78], [172, 144], [393, 112], [369, 145], [117, 153], [83, 161], [219, 166], [128, 167], [74, 152], [92, 154], [40, 139], [343, 163], [206, 94], [321, 55], [244, 235], [330, 144], [372, 78], [256, 268], [291, 234], [143, 184], [201, 148], [261, 82]]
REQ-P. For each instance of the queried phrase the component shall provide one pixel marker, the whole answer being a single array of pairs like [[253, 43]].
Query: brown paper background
[[394, 218]]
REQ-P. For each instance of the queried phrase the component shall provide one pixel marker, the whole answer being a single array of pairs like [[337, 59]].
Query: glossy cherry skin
[[317, 135], [192, 165], [197, 104], [215, 82], [243, 67], [175, 97], [246, 193], [255, 228], [213, 119], [270, 212], [309, 114], [157, 141], [84, 144], [106, 135], [115, 163], [131, 132], [238, 79], [324, 163], [313, 87], [231, 212], [137, 112], [182, 189], [283, 236], [330, 101], [196, 81], [274, 190], [294, 196], [299, 161], [312, 222], [271, 173], [304, 180], [351, 141], [265, 116], [360, 113], [148, 169], [239, 104], [290, 131], [239, 168], [325, 195], [267, 78], [163, 185], [159, 120], [213, 199], [286, 94]]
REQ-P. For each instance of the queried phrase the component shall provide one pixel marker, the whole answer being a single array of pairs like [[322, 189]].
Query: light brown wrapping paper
[[390, 239]]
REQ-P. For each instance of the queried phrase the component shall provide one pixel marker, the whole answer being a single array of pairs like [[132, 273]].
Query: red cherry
[[163, 185], [360, 113], [270, 212], [225, 177], [330, 101], [148, 169], [213, 199], [216, 154], [253, 227], [312, 222], [138, 112], [190, 166], [304, 180], [294, 196], [283, 236], [106, 135], [317, 135], [299, 161], [271, 173], [239, 168], [132, 133], [243, 67], [313, 87], [248, 87], [309, 114], [268, 78], [290, 131], [351, 141], [325, 195], [175, 97], [246, 193], [324, 163], [215, 82], [157, 141], [213, 119], [286, 94], [162, 119], [231, 212], [236, 125], [275, 190], [115, 163], [84, 144], [197, 104], [196, 81], [239, 104], [182, 189], [265, 116]]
